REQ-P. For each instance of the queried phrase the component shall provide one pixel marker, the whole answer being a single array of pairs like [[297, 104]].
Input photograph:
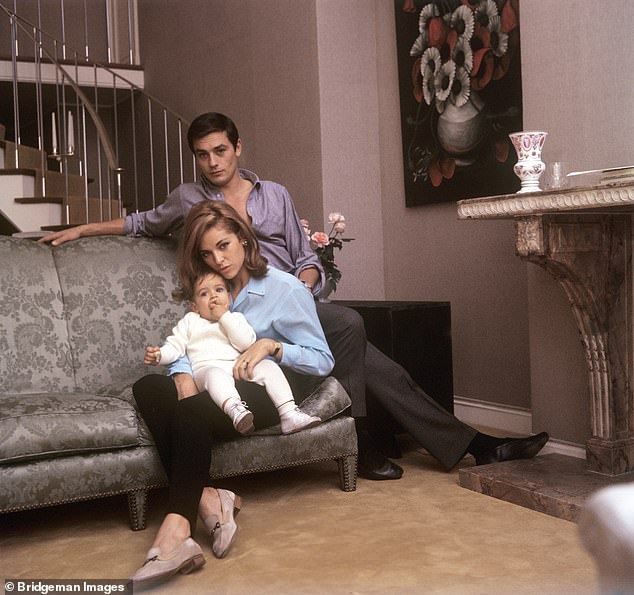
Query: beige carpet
[[300, 534]]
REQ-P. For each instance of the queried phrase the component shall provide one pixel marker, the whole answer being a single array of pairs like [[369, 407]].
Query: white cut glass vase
[[529, 167]]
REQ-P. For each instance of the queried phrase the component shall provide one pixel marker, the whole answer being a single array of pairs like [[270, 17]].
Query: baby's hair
[[180, 295], [185, 293]]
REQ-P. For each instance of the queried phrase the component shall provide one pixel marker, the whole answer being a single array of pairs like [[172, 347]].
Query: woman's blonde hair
[[202, 217]]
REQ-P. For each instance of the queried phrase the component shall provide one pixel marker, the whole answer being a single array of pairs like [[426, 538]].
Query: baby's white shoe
[[295, 420], [241, 417]]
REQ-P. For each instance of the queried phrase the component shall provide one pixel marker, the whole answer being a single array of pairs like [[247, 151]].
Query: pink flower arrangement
[[324, 245]]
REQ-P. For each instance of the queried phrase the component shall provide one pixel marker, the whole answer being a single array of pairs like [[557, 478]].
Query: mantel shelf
[[606, 198]]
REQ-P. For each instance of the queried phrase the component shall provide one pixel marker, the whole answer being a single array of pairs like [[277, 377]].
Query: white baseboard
[[507, 418]]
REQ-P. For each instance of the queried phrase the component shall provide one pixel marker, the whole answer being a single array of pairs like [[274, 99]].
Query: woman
[[284, 318]]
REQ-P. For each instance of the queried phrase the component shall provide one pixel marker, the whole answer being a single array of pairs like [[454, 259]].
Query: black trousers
[[185, 430], [345, 333], [377, 384]]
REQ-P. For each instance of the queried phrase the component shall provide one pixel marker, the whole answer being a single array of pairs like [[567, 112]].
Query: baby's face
[[210, 292]]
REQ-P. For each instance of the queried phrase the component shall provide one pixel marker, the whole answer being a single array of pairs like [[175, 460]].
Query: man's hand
[[113, 227], [309, 277], [185, 386], [59, 237]]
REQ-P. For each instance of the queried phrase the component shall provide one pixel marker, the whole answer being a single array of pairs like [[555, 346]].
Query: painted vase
[[461, 129], [529, 167]]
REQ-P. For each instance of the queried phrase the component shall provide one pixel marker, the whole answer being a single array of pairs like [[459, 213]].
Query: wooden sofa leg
[[137, 506], [348, 473]]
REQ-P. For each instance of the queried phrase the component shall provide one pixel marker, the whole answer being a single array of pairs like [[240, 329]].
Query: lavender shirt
[[273, 219]]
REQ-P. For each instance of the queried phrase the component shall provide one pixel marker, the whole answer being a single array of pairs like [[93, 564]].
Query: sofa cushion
[[40, 425], [117, 292], [328, 400], [34, 349]]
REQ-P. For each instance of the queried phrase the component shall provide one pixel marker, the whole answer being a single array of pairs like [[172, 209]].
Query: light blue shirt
[[279, 307]]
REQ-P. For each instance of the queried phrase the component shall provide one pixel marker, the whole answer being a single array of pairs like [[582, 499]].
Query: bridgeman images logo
[[46, 586]]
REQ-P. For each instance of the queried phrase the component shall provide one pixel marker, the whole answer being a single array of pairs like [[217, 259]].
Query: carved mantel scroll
[[588, 250]]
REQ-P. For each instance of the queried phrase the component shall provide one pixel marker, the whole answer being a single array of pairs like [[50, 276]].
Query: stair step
[[57, 227], [28, 157], [34, 200], [19, 171]]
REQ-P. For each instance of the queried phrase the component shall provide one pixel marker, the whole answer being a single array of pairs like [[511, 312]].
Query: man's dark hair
[[211, 122]]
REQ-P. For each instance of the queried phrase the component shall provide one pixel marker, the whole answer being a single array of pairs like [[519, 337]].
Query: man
[[364, 371]]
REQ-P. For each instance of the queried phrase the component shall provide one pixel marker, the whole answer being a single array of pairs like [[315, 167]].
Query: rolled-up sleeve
[[298, 245], [167, 218]]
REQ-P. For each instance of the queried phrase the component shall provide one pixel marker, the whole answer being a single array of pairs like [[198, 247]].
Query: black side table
[[417, 335]]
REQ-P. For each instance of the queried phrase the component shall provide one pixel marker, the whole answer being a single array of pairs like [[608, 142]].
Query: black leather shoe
[[373, 465], [514, 448]]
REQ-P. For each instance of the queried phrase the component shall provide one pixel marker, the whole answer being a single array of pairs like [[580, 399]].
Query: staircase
[[33, 200], [81, 141]]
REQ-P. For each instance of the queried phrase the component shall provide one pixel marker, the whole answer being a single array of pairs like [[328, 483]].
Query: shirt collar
[[244, 173], [255, 286]]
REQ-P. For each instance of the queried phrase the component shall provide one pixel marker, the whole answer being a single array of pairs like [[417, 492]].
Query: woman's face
[[223, 251]]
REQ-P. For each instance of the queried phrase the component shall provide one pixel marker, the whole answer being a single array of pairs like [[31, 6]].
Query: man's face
[[216, 158]]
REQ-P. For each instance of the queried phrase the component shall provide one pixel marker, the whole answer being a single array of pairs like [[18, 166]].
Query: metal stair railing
[[99, 138]]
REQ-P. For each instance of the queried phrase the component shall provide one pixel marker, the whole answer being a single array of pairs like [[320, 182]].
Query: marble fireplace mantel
[[583, 238]]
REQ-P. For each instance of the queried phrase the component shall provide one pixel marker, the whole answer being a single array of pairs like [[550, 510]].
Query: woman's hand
[[247, 360]]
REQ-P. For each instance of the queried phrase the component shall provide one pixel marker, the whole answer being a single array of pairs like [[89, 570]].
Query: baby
[[213, 337]]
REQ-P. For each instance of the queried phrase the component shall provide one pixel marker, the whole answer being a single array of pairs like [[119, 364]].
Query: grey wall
[[254, 61], [312, 85], [576, 91]]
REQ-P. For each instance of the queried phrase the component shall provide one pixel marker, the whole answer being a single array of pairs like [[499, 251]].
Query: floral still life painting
[[324, 245], [460, 94]]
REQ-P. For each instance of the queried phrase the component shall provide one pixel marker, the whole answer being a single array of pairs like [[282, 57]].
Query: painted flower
[[462, 55], [422, 41], [427, 13], [461, 88], [486, 11], [409, 6], [463, 23], [430, 65], [444, 81], [443, 167], [499, 40], [430, 62]]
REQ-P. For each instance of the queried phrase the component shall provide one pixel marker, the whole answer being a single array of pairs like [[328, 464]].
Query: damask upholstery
[[74, 322], [33, 425], [34, 347]]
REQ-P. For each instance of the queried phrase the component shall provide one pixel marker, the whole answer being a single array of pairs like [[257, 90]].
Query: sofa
[[74, 322]]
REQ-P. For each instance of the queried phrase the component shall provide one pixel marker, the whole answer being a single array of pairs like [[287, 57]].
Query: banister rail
[[118, 135]]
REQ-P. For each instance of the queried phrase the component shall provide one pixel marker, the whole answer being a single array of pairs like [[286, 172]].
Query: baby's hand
[[152, 355], [216, 311]]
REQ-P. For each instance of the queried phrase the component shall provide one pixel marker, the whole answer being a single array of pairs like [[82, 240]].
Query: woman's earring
[[244, 242]]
